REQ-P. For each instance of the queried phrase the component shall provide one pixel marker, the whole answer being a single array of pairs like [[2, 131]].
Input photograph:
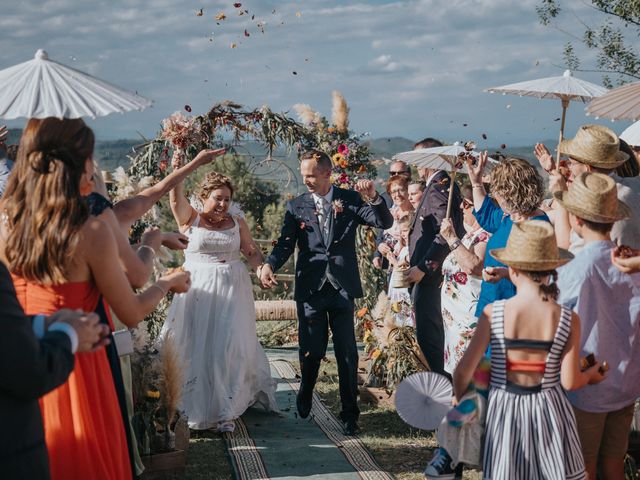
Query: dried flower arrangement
[[348, 151], [157, 379]]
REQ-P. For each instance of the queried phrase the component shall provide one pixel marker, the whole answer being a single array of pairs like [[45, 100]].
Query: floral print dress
[[458, 299]]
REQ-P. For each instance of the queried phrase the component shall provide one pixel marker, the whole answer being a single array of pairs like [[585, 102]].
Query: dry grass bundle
[[340, 112], [384, 321], [171, 377], [307, 115]]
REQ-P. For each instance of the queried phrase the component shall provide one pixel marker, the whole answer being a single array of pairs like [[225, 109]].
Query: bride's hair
[[213, 181], [43, 207]]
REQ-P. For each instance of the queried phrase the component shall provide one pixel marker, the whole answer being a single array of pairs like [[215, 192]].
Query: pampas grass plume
[[307, 115], [340, 112], [171, 376]]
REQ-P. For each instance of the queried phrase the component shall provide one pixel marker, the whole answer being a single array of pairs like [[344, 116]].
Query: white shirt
[[323, 210]]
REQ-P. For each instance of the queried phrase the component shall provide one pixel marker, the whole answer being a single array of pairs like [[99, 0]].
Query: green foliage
[[615, 55]]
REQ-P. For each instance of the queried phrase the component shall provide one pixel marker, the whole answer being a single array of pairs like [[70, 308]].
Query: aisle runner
[[272, 446]]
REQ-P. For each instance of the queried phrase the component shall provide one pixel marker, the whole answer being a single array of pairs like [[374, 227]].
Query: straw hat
[[532, 246], [595, 145], [594, 197]]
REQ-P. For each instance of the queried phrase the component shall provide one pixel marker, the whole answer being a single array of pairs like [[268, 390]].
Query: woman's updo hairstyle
[[213, 181]]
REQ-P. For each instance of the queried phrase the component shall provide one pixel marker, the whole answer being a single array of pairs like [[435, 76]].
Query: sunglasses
[[398, 173]]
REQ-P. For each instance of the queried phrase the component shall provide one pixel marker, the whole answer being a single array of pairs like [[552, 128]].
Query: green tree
[[615, 54]]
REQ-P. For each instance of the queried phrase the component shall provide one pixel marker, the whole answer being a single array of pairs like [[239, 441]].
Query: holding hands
[[92, 335], [266, 276]]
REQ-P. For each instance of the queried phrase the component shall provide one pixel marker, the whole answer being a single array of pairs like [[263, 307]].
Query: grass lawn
[[399, 449]]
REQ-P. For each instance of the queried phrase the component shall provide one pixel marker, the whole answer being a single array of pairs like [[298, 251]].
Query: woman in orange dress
[[61, 257]]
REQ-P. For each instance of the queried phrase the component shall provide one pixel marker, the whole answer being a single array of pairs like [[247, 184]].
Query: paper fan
[[423, 399]]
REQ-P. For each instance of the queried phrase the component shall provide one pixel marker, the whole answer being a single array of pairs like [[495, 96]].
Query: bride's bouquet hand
[[179, 280]]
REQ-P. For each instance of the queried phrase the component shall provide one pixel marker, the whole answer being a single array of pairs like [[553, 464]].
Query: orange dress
[[82, 419]]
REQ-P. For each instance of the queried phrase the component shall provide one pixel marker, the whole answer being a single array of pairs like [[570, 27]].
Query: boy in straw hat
[[595, 148], [530, 427], [608, 303]]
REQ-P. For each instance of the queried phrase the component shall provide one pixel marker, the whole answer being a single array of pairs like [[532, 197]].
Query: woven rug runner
[[285, 447]]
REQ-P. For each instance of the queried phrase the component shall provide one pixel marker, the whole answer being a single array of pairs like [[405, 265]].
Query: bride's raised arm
[[248, 246], [182, 210], [128, 211]]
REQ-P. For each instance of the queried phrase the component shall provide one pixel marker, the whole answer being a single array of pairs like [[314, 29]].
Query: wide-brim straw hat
[[595, 145], [594, 197], [532, 247]]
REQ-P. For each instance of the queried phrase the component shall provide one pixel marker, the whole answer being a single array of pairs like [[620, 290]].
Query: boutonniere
[[337, 206]]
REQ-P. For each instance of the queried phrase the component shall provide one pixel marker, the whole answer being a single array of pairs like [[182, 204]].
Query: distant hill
[[113, 153]]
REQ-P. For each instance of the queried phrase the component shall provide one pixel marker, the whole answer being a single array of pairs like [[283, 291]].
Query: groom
[[322, 224]]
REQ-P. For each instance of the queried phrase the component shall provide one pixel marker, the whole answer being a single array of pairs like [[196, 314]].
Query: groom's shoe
[[303, 403], [350, 428]]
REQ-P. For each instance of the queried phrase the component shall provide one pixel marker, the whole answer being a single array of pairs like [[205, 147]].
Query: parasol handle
[[565, 105], [451, 185]]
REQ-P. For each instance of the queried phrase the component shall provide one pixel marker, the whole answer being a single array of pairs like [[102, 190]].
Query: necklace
[[214, 219]]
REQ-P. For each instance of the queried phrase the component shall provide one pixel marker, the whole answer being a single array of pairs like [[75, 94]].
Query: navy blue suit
[[327, 281], [29, 368]]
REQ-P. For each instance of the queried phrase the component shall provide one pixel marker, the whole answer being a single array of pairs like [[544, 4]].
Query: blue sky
[[410, 68]]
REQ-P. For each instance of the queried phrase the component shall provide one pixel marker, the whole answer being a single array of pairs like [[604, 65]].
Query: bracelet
[[153, 252], [164, 293], [455, 245], [477, 186]]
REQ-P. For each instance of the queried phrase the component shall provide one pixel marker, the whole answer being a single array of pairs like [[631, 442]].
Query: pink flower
[[343, 149], [460, 277]]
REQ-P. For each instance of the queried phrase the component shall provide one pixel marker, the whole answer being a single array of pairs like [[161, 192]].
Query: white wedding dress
[[226, 370]]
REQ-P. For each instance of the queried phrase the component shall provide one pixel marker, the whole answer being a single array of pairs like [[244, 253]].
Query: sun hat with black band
[[594, 197], [595, 145], [532, 247]]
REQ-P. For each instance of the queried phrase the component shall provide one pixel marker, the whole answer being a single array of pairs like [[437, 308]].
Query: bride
[[214, 323]]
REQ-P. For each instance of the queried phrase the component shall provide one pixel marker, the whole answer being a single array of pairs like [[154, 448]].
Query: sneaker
[[228, 426], [441, 467]]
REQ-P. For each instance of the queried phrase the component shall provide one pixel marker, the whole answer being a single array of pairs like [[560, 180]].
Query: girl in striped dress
[[530, 428]]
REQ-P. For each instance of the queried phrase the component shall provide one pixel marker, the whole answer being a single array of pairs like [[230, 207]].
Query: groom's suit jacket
[[29, 368], [338, 255]]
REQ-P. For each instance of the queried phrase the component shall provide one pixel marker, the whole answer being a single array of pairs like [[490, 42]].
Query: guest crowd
[[538, 274]]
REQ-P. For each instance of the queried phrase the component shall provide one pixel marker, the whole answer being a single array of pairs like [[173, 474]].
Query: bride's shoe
[[228, 426]]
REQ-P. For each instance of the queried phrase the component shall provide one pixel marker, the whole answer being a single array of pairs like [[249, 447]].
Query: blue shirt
[[495, 221], [608, 303]]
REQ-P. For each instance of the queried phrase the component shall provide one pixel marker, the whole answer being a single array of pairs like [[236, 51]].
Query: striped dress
[[530, 431]]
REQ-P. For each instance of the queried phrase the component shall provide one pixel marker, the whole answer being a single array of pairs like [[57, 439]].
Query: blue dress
[[493, 219]]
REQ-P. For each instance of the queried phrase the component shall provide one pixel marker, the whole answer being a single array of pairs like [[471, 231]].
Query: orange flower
[[362, 312], [331, 130], [362, 169], [337, 159], [344, 163]]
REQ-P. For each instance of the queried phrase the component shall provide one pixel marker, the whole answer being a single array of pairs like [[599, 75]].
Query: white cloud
[[406, 67]]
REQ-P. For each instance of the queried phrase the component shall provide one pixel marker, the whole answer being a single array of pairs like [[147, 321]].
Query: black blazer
[[29, 368], [427, 248], [301, 229]]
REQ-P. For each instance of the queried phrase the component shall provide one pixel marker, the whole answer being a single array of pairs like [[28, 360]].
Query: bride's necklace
[[215, 220]]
